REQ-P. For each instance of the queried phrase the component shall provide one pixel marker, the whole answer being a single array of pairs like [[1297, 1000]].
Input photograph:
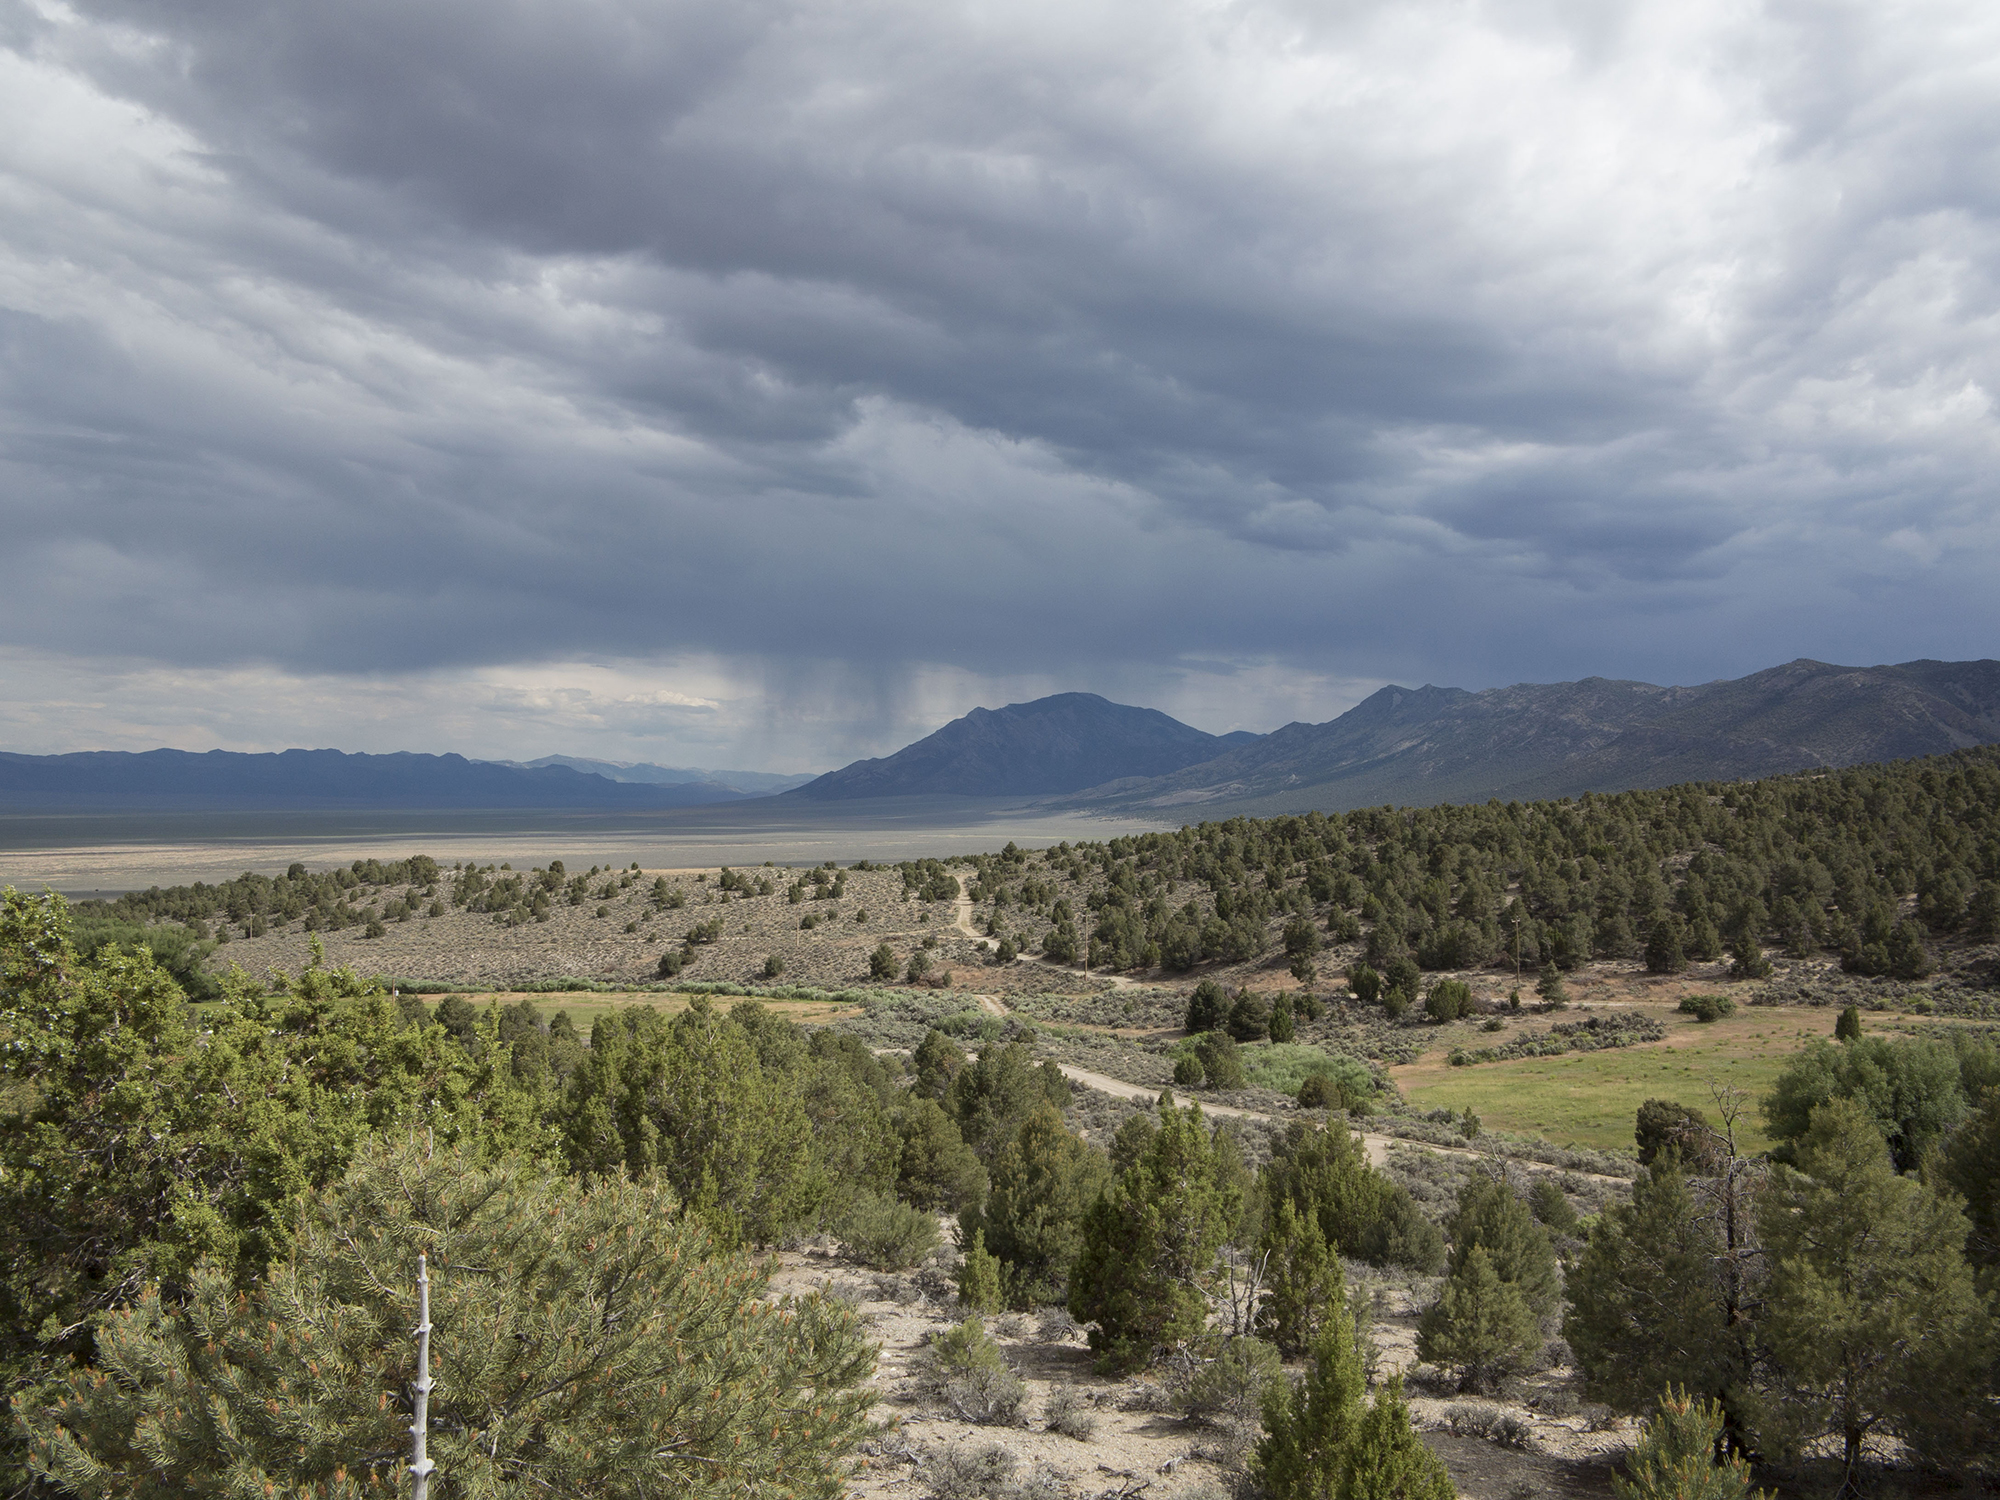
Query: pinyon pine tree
[[588, 1340], [1675, 1457], [1873, 1319]]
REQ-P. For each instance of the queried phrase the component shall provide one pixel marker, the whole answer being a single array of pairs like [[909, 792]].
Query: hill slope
[[164, 780], [743, 783], [1052, 745], [1429, 745]]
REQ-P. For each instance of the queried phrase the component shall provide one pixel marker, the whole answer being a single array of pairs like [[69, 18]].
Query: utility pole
[[420, 1462]]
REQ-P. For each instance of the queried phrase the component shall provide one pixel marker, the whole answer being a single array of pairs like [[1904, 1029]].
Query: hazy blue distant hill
[[1420, 746], [170, 780], [1052, 745], [744, 783]]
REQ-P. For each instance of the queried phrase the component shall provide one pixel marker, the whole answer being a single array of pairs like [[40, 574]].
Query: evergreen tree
[[935, 1169], [882, 964], [1970, 1167], [1323, 1443], [1043, 1181], [991, 1096], [1675, 1457], [1746, 957], [1324, 1173], [588, 1339], [1645, 1303], [938, 1061], [1873, 1320], [1387, 1460], [1847, 1028], [1310, 1427], [979, 1277], [1912, 1088], [1208, 1008], [1482, 1326], [1282, 1025], [689, 1098], [1492, 1216], [1302, 1280], [136, 1141], [1665, 951], [1151, 1244]]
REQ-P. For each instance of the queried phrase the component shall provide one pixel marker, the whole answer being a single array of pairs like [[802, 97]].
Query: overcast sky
[[761, 384]]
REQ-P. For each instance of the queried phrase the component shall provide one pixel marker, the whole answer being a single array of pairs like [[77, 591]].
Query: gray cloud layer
[[1084, 345]]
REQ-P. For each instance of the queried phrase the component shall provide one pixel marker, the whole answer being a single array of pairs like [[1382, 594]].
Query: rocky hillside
[[1428, 745]]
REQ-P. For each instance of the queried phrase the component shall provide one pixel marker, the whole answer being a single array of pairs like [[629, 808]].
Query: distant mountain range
[[743, 783], [1418, 746], [1053, 745], [181, 780], [1080, 752]]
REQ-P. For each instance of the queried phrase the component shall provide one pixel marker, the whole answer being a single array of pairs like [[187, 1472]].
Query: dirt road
[[962, 920]]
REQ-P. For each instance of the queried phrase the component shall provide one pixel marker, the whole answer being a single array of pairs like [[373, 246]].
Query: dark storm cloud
[[1460, 343]]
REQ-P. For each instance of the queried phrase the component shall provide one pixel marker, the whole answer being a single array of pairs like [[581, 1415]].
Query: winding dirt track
[[1376, 1147], [963, 922]]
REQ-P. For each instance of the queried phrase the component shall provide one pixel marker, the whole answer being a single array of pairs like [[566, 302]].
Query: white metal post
[[420, 1463]]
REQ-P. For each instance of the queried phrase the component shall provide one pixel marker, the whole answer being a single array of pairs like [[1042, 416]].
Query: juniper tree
[[689, 1098], [1387, 1460], [1491, 1215], [1322, 1171], [1481, 1326], [1323, 1442], [588, 1339], [1042, 1182], [1873, 1320], [935, 1169], [1646, 1305], [1310, 1426], [1151, 1244], [1303, 1281]]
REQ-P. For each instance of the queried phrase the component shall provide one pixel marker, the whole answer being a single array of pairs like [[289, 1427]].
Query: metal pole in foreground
[[420, 1463]]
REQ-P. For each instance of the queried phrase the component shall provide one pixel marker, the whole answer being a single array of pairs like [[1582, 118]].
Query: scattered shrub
[[1229, 1379], [889, 1235], [964, 1370], [1069, 1414], [1707, 1007], [986, 1473]]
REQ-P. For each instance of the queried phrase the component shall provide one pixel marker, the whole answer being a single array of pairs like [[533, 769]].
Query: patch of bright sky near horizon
[[762, 384]]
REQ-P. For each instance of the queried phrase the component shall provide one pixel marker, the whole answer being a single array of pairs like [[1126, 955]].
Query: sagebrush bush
[[885, 1233], [985, 1473], [1228, 1380], [1069, 1414], [964, 1370]]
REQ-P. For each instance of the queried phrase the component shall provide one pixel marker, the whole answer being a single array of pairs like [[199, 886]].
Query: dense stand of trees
[[1873, 863]]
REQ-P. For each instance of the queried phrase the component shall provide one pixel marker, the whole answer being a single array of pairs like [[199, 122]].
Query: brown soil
[[1139, 1445]]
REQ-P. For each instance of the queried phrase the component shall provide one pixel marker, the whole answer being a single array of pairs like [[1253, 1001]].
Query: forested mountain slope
[[1432, 745]]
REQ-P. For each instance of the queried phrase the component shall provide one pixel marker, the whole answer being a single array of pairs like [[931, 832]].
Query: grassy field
[[1589, 1098]]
